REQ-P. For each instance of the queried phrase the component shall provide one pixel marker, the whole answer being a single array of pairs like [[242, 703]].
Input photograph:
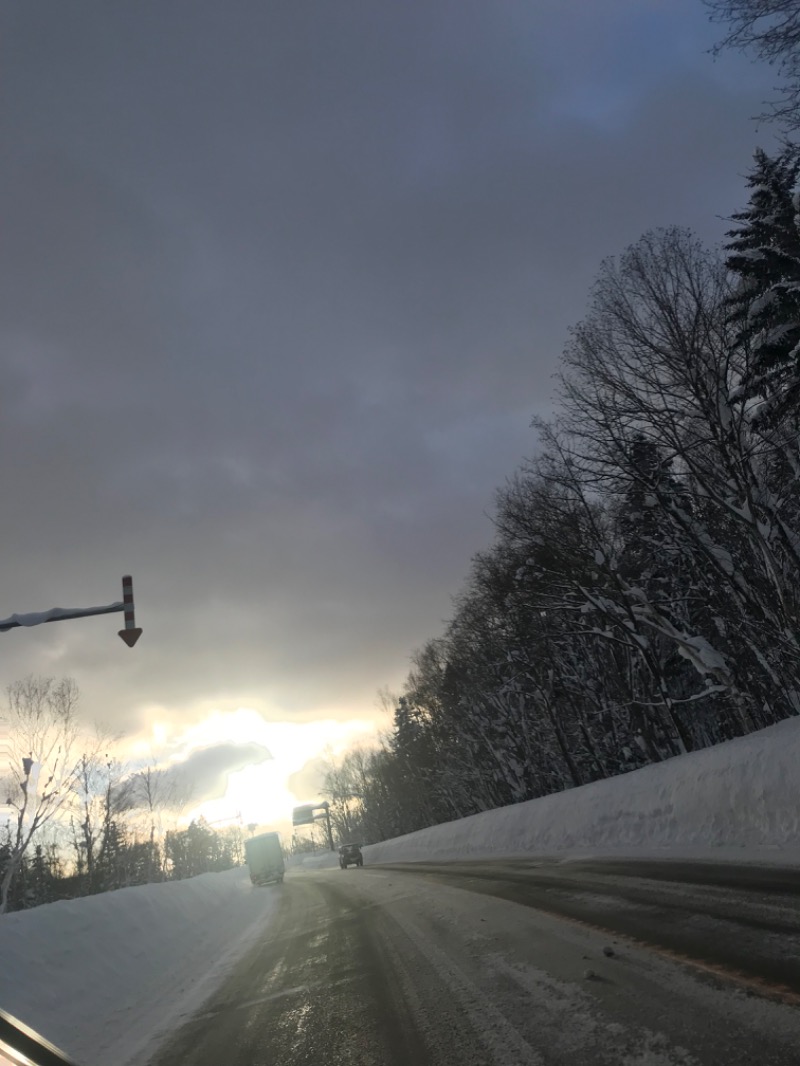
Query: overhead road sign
[[303, 815]]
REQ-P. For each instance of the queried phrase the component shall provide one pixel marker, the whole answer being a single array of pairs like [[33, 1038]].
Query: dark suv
[[350, 855]]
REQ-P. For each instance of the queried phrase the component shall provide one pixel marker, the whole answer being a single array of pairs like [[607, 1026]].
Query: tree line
[[75, 821], [641, 596]]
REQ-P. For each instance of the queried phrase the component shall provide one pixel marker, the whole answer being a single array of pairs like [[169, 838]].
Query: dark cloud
[[203, 775], [282, 286]]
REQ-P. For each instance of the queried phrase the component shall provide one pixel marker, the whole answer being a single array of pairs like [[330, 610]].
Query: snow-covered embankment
[[736, 800], [107, 976]]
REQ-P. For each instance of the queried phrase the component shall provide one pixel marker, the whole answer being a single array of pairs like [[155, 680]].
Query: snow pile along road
[[737, 800], [105, 977]]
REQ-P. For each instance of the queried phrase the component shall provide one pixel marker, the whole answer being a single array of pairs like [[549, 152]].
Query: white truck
[[264, 856]]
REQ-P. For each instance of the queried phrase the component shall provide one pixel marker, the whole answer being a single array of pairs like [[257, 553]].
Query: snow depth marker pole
[[130, 634]]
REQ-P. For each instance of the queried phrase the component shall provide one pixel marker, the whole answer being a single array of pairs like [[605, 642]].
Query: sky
[[283, 285]]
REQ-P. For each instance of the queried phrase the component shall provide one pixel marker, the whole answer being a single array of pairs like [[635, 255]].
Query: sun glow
[[260, 794]]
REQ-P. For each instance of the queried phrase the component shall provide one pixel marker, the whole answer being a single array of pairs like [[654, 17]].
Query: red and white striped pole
[[130, 634]]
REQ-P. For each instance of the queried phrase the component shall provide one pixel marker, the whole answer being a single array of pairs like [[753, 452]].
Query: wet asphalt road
[[499, 964], [743, 920]]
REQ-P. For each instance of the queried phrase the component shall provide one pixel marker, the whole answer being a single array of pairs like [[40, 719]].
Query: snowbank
[[105, 977], [736, 800]]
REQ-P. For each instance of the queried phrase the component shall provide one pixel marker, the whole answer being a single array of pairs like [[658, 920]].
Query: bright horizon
[[259, 793]]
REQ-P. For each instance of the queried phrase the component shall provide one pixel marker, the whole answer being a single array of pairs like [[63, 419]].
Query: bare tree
[[43, 736], [102, 792], [656, 361], [155, 791], [342, 789], [771, 30]]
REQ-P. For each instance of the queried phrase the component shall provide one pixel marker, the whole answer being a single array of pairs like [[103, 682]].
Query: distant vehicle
[[264, 856], [350, 854]]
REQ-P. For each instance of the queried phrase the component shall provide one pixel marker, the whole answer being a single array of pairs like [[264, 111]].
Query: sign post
[[130, 634], [306, 815]]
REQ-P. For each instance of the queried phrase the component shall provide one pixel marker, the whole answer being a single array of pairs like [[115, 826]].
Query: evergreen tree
[[111, 871], [198, 849], [764, 252], [40, 878]]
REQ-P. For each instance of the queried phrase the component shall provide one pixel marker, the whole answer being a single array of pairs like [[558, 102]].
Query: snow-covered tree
[[657, 356], [642, 594], [764, 255]]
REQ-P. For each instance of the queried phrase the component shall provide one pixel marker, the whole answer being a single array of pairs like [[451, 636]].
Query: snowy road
[[460, 964]]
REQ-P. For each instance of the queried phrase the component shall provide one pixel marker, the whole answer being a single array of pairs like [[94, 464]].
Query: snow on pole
[[57, 614], [130, 634]]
